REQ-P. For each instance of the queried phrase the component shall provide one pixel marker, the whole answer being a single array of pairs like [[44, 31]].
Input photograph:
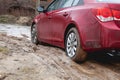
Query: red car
[[79, 26]]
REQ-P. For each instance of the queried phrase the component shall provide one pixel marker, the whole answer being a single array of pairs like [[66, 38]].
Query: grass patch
[[7, 19], [27, 70], [4, 50], [10, 19]]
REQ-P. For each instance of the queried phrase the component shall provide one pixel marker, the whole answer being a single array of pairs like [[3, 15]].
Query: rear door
[[60, 18]]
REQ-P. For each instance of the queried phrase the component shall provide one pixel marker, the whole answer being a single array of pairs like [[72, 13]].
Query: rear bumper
[[110, 35], [109, 38]]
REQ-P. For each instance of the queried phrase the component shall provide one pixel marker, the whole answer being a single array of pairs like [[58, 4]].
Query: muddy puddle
[[15, 30]]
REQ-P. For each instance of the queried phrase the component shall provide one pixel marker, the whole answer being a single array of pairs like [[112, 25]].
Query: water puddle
[[15, 30]]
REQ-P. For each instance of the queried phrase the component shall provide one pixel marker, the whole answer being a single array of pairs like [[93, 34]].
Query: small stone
[[3, 76]]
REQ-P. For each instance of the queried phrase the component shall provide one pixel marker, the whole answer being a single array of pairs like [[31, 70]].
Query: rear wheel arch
[[71, 25], [73, 45], [67, 29]]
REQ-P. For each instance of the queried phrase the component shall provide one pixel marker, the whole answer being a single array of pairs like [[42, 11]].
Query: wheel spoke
[[68, 41], [70, 53], [69, 49], [68, 45], [74, 48], [70, 36], [75, 43], [74, 38], [73, 52], [35, 38]]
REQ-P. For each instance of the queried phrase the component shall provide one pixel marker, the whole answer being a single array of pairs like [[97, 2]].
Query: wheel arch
[[67, 29], [71, 25], [32, 24]]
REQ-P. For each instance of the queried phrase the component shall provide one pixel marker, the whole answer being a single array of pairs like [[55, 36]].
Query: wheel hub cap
[[71, 44]]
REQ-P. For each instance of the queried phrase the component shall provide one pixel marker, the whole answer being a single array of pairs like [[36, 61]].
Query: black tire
[[73, 47], [34, 37]]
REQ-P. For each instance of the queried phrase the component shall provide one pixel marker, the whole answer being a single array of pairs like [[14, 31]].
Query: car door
[[44, 24], [60, 19]]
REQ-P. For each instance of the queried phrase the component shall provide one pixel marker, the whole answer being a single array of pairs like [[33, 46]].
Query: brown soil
[[21, 60], [10, 19]]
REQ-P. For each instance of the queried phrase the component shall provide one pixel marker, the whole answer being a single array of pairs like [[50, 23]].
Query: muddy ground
[[21, 60]]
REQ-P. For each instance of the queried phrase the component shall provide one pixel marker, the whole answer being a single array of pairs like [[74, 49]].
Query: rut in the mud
[[21, 60]]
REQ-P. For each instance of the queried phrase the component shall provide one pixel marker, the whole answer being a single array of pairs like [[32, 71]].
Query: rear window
[[109, 1]]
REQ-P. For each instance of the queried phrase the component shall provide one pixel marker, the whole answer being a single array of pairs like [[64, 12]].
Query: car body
[[96, 21]]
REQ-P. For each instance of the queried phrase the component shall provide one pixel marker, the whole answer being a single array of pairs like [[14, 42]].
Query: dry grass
[[27, 70], [7, 19], [4, 50], [10, 19]]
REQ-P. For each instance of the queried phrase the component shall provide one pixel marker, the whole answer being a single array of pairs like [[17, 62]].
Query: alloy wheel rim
[[71, 44]]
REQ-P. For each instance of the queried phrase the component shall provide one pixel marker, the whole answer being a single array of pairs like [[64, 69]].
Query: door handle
[[65, 14], [50, 17]]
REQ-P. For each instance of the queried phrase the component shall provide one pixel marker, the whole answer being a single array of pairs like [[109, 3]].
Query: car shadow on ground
[[111, 61], [104, 57]]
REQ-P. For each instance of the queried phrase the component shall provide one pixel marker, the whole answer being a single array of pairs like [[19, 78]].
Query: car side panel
[[43, 27], [59, 21], [82, 16], [88, 26]]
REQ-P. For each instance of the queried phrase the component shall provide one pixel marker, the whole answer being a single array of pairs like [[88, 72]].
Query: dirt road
[[21, 60]]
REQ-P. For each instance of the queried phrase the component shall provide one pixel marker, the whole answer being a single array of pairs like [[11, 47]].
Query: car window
[[75, 3], [109, 1], [81, 2], [54, 5], [78, 2], [66, 3]]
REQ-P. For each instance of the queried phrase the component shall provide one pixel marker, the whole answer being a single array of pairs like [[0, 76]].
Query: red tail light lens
[[104, 14], [116, 14]]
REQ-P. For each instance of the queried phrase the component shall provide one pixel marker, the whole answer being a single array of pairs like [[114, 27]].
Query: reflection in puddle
[[15, 30]]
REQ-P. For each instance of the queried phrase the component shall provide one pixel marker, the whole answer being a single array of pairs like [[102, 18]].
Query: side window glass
[[53, 6], [75, 2], [66, 3], [78, 2], [81, 2]]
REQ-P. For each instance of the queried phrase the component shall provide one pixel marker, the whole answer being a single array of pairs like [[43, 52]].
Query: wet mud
[[22, 60]]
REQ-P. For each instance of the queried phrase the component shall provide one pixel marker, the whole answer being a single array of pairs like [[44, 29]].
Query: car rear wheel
[[34, 38], [73, 47]]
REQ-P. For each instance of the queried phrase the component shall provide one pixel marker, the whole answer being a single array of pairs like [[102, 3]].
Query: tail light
[[106, 14], [116, 14]]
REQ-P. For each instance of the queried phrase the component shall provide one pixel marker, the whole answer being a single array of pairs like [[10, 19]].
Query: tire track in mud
[[76, 71], [50, 63]]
